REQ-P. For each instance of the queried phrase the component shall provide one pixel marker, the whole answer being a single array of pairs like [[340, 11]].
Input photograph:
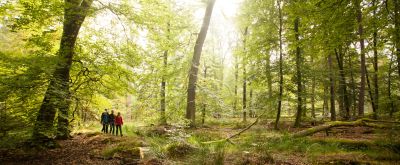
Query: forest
[[200, 82]]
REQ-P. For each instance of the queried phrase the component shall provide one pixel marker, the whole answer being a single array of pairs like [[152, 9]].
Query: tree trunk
[[359, 122], [244, 77], [236, 84], [325, 103], [361, 96], [251, 103], [244, 93], [163, 119], [57, 94], [203, 111], [397, 31], [375, 42], [298, 74], [343, 97], [353, 87], [332, 89], [370, 90], [278, 114], [313, 92], [191, 97], [390, 87]]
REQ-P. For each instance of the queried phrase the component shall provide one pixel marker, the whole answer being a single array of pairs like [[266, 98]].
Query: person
[[118, 123], [104, 121], [111, 120]]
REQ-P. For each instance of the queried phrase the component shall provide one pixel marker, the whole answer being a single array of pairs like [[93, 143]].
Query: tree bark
[[397, 31], [361, 97], [370, 91], [251, 103], [390, 87], [191, 97], [325, 103], [278, 114], [203, 111], [244, 77], [332, 89], [298, 74], [163, 119], [375, 42], [57, 94], [352, 87], [313, 92], [236, 84], [343, 97]]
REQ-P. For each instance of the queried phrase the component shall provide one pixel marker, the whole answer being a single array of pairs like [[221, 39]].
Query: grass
[[255, 146]]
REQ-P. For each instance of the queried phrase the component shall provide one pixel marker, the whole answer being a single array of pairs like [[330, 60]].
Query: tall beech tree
[[57, 95], [278, 113], [191, 91], [361, 96]]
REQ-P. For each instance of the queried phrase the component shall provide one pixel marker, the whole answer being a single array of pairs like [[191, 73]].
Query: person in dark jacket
[[104, 121], [118, 123], [111, 120]]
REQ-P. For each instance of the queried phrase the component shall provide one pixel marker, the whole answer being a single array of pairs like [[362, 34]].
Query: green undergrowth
[[123, 149]]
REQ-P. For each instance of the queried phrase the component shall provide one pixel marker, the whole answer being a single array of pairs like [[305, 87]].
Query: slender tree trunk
[[353, 87], [332, 89], [361, 97], [343, 97], [278, 114], [191, 97], [203, 111], [304, 93], [313, 92], [251, 103], [163, 119], [390, 87], [370, 90], [325, 103], [298, 74], [236, 84], [376, 85], [244, 94], [397, 31], [57, 94], [244, 77]]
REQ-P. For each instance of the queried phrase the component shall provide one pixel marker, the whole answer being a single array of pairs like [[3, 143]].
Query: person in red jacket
[[118, 123]]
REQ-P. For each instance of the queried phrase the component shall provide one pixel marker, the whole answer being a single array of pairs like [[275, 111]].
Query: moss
[[125, 150], [179, 150]]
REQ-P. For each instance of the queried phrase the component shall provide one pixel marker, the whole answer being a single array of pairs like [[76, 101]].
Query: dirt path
[[81, 149]]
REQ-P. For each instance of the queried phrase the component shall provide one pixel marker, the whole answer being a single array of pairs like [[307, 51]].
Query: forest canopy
[[285, 63]]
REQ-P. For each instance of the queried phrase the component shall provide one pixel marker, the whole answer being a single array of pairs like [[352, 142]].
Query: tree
[[361, 96], [298, 73], [191, 91], [57, 95], [278, 114]]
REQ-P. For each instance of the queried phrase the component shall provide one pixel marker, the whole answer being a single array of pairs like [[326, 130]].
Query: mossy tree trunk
[[57, 94]]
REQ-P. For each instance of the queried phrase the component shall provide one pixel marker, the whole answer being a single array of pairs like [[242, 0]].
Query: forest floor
[[176, 145]]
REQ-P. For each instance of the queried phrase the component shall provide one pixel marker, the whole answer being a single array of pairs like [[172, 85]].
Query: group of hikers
[[109, 119]]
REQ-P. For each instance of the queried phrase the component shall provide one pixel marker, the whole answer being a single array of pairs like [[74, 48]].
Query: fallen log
[[360, 122]]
